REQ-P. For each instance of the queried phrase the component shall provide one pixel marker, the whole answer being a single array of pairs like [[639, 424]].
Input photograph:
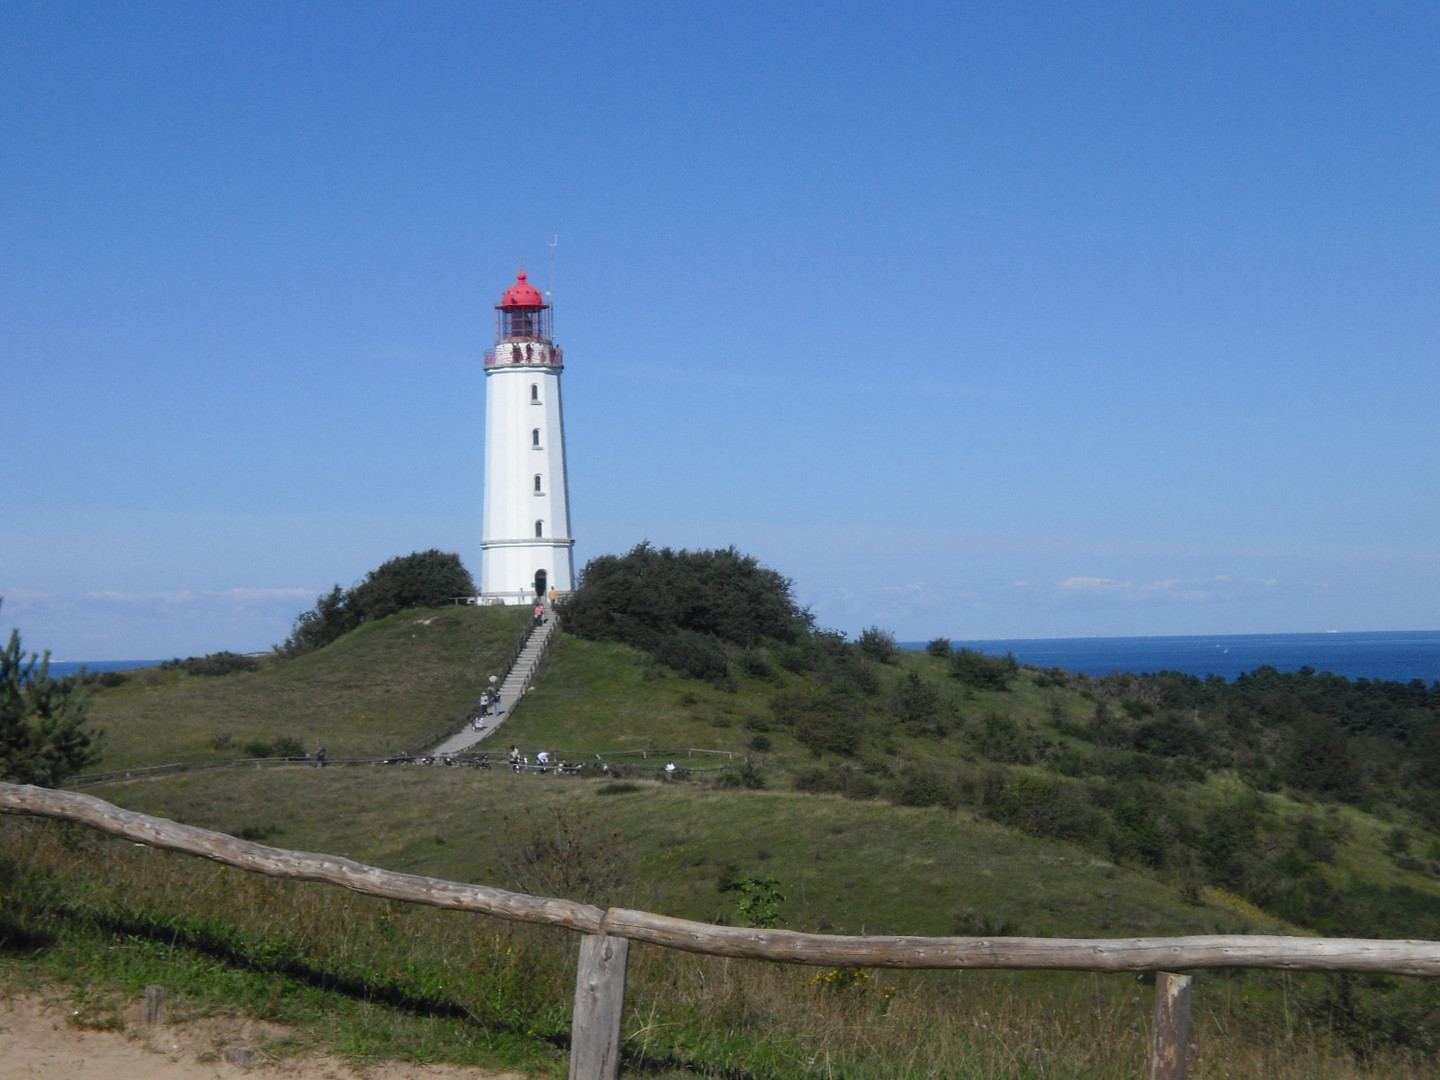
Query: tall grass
[[375, 979], [387, 686]]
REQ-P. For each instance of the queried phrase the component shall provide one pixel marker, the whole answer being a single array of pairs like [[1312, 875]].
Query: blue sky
[[975, 320]]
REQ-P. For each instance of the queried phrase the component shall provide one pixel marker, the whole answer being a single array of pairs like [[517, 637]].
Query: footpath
[[512, 689]]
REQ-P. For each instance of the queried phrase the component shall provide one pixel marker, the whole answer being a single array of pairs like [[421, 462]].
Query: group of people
[[489, 705], [544, 762]]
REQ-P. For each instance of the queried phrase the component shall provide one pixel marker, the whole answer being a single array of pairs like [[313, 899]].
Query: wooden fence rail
[[600, 982]]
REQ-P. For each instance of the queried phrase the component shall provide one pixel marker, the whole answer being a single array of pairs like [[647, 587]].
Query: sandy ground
[[39, 1038]]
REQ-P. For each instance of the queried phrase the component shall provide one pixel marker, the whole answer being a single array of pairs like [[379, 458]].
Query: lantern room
[[522, 314]]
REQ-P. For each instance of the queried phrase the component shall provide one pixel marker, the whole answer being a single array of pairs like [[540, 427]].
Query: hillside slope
[[386, 686]]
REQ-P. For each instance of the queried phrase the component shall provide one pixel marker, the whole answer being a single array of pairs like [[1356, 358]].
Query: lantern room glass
[[522, 324]]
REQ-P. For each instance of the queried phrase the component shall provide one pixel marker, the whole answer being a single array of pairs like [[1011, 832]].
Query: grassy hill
[[962, 816], [386, 686]]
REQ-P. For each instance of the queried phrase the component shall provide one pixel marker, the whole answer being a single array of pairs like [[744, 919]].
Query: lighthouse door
[[540, 579]]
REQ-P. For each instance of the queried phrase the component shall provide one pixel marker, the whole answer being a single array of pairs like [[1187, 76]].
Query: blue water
[[72, 667], [1399, 655]]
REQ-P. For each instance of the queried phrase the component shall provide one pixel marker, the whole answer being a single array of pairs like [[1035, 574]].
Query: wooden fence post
[[1169, 1038], [599, 1007]]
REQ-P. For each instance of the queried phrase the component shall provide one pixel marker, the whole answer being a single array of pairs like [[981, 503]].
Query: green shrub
[[755, 662], [879, 645], [644, 596], [698, 656], [220, 663], [984, 672], [839, 779], [940, 647], [43, 733], [920, 709], [288, 747], [1001, 738], [921, 786], [422, 579]]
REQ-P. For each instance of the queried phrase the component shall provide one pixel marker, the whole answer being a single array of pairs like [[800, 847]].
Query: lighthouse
[[525, 546]]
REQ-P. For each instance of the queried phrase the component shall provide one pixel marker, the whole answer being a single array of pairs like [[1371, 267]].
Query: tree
[[421, 579], [43, 737], [879, 645], [332, 616], [645, 596], [984, 672]]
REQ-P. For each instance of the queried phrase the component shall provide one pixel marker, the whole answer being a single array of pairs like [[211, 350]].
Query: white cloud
[[1156, 586], [1092, 584]]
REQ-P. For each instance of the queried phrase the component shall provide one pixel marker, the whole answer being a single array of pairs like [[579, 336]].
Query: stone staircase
[[512, 689]]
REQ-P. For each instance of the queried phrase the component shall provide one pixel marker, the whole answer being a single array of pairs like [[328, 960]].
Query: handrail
[[600, 979], [459, 725], [1378, 956]]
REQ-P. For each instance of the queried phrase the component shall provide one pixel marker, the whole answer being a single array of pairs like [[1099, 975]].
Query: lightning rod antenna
[[554, 242]]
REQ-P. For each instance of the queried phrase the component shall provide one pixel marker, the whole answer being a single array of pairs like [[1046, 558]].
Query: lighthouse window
[[539, 529], [538, 488], [535, 393], [535, 438]]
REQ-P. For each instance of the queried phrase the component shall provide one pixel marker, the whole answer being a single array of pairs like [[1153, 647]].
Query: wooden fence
[[604, 947]]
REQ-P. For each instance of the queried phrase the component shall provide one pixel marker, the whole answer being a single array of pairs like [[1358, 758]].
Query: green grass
[[365, 977], [846, 867], [593, 696], [385, 687], [372, 979]]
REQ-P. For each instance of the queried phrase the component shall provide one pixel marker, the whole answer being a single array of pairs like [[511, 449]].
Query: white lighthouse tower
[[525, 548]]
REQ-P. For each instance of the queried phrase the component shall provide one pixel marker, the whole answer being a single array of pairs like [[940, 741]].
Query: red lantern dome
[[521, 294], [522, 314]]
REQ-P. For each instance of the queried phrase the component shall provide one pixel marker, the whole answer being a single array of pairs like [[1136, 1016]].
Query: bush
[[879, 645], [757, 663], [940, 647], [841, 731], [821, 719], [698, 656], [1001, 738], [422, 579], [219, 663], [984, 672], [918, 705], [43, 737], [334, 615], [1048, 806], [840, 779], [920, 786], [646, 595], [289, 747]]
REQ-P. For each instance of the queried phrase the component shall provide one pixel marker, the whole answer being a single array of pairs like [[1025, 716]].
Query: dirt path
[[39, 1039]]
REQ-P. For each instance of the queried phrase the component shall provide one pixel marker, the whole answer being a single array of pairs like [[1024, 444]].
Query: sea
[[1396, 655], [60, 668], [1392, 655]]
